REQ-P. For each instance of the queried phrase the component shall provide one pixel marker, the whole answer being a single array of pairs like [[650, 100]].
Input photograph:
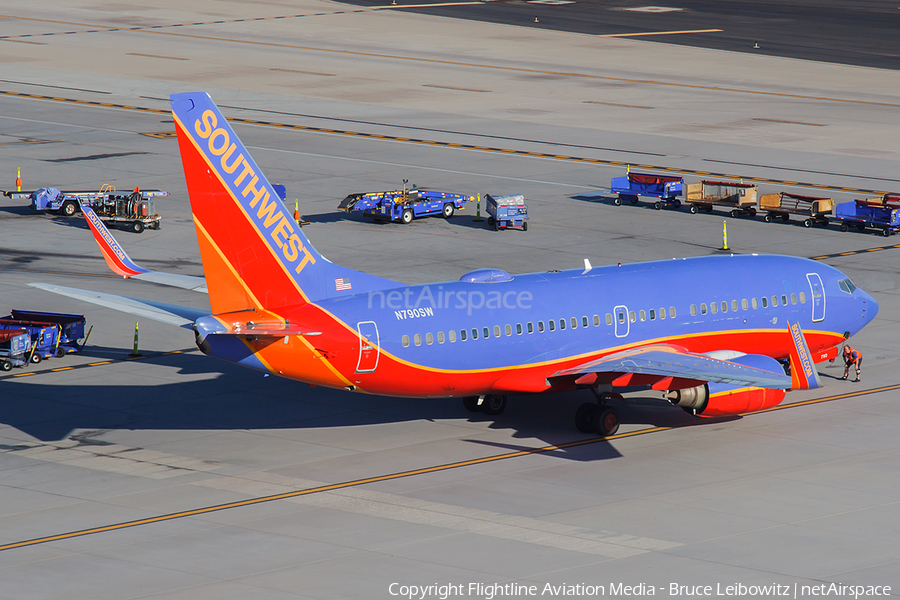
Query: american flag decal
[[342, 283]]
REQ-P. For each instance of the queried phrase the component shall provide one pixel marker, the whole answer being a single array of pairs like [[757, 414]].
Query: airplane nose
[[869, 306]]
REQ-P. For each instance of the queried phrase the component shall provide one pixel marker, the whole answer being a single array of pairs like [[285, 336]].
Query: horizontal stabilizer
[[172, 314], [659, 362]]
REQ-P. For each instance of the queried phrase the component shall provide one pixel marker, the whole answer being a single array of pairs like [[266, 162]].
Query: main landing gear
[[491, 404], [598, 418]]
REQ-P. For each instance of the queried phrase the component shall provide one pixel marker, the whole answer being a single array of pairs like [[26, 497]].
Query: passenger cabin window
[[496, 331], [621, 317], [518, 329], [584, 321], [509, 330], [734, 306], [429, 339], [485, 332], [552, 324], [474, 334], [540, 327], [596, 320], [803, 297], [440, 337], [754, 303], [724, 306], [671, 312], [417, 340], [452, 335], [713, 307], [765, 302], [784, 299], [652, 315], [631, 316], [608, 319], [462, 335], [693, 310], [643, 315], [703, 309], [529, 327], [744, 304], [662, 313], [774, 301], [793, 298], [562, 324], [406, 341], [574, 322]]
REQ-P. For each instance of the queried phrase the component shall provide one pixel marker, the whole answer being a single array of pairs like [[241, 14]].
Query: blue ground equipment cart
[[133, 211], [861, 215], [507, 211], [664, 187], [44, 336], [71, 327], [405, 205], [15, 348]]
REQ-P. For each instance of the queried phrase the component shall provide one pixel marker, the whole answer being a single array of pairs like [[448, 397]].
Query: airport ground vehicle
[[404, 205], [507, 211], [783, 205], [133, 211], [889, 200], [861, 215], [70, 327], [633, 185], [15, 348], [44, 336], [739, 197]]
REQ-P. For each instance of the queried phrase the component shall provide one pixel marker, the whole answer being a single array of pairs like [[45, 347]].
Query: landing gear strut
[[491, 404], [598, 418]]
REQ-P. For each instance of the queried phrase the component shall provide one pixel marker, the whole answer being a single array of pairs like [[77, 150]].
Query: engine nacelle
[[720, 399]]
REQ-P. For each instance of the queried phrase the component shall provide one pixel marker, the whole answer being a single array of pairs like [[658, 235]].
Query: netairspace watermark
[[410, 304], [491, 591]]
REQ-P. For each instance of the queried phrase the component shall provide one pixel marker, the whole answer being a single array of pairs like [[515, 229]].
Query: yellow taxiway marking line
[[619, 35], [411, 473], [97, 364], [507, 151]]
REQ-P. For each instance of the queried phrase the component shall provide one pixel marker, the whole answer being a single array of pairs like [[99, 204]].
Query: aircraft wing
[[172, 314], [121, 264], [666, 367]]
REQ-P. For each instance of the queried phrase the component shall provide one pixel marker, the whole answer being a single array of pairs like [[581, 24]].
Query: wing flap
[[654, 364]]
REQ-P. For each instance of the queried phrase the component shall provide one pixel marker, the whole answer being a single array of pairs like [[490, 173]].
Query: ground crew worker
[[852, 358]]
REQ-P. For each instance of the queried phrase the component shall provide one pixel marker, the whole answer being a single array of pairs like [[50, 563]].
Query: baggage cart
[[860, 215], [783, 205], [71, 327], [633, 185], [739, 197], [890, 200], [507, 211], [44, 336], [15, 348]]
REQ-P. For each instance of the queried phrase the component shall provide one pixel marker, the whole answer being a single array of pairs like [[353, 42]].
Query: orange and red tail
[[254, 254]]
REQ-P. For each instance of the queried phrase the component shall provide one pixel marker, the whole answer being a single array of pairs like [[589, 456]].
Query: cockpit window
[[846, 286]]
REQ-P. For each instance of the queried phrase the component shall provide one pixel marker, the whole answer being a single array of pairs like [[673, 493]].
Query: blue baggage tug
[[862, 215], [507, 211], [664, 187], [405, 205]]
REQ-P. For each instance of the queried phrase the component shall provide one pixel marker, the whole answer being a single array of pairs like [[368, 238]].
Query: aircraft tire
[[493, 404], [605, 421], [471, 404], [583, 417]]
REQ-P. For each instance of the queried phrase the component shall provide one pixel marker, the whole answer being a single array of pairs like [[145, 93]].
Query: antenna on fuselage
[[587, 266]]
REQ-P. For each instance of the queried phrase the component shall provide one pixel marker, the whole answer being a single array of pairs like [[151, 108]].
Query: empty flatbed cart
[[783, 205], [739, 197]]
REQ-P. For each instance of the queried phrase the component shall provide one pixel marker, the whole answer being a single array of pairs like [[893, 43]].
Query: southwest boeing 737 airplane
[[718, 334]]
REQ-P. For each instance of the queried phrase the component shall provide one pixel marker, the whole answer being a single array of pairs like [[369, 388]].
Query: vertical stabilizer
[[803, 370]]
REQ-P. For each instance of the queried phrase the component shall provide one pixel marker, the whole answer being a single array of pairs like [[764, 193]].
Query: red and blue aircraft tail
[[803, 369], [117, 259], [254, 254]]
